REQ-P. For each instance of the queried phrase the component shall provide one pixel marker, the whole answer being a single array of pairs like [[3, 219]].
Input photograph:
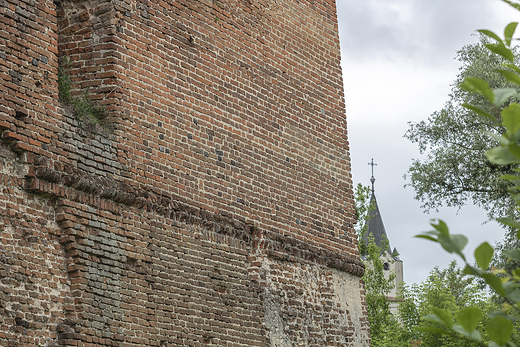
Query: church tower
[[391, 261]]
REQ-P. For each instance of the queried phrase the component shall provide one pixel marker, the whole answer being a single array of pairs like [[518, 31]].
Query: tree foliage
[[377, 287], [363, 207], [473, 323], [455, 169], [446, 289], [384, 328], [449, 309]]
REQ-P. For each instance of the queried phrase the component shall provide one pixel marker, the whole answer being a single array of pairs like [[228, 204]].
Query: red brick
[[222, 174]]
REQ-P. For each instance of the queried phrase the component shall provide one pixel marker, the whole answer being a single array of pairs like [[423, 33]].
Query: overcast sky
[[398, 60]]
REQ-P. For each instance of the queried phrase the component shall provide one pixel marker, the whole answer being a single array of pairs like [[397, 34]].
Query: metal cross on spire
[[372, 179]]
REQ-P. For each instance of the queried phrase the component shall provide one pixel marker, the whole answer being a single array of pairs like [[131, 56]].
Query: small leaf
[[510, 76], [470, 270], [509, 221], [514, 149], [441, 226], [444, 316], [475, 85], [513, 67], [440, 316], [479, 111], [427, 237], [460, 241], [474, 335], [511, 118], [483, 255], [433, 318], [454, 244], [502, 94], [499, 330], [515, 5], [495, 283], [457, 241], [491, 34], [501, 156], [500, 139], [502, 50], [513, 254], [512, 291], [468, 318], [509, 32]]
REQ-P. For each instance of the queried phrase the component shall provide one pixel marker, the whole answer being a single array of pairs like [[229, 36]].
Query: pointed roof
[[376, 228]]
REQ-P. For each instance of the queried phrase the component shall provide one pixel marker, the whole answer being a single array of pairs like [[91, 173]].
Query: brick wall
[[213, 206]]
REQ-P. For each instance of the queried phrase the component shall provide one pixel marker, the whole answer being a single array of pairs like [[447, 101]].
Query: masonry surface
[[212, 206]]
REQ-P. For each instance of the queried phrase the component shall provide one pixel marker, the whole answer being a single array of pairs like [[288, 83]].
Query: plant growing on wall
[[84, 108]]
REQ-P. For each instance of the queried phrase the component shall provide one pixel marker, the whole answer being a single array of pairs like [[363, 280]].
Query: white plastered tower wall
[[395, 266]]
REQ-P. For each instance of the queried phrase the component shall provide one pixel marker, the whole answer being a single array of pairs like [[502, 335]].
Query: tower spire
[[372, 179]]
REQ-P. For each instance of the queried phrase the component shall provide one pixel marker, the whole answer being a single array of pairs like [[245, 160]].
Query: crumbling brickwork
[[213, 206]]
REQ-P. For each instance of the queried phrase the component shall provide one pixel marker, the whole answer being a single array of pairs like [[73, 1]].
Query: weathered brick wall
[[214, 209], [228, 106], [307, 305], [34, 285]]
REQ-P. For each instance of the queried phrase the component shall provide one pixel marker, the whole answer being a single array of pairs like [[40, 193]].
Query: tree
[[384, 328], [363, 207], [500, 325], [448, 289], [456, 170], [377, 287], [392, 334]]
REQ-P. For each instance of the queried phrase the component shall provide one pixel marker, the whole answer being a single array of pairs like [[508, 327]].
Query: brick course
[[215, 209]]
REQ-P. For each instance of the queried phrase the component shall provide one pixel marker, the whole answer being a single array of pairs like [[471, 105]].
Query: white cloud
[[410, 29], [384, 93]]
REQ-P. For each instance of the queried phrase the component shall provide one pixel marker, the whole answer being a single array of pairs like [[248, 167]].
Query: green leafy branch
[[500, 324], [363, 208]]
